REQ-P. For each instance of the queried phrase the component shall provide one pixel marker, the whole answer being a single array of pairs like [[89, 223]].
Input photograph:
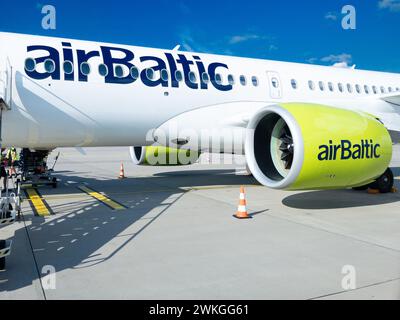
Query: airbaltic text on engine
[[345, 150], [108, 54]]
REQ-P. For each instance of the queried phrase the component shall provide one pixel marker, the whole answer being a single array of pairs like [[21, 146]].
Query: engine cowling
[[308, 147], [162, 156]]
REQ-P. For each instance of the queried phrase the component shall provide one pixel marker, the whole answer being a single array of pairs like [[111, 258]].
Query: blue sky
[[307, 31]]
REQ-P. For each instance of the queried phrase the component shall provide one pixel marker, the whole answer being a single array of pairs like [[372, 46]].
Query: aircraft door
[[275, 85], [6, 84]]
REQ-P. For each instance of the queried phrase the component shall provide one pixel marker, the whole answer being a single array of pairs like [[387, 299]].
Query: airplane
[[299, 126]]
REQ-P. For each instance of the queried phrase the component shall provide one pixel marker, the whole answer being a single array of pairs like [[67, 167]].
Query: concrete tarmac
[[168, 233]]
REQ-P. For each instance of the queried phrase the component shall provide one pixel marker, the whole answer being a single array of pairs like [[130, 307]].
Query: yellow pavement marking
[[102, 198], [38, 205]]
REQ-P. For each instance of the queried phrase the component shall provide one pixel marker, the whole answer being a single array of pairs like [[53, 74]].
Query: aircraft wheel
[[384, 183], [362, 188]]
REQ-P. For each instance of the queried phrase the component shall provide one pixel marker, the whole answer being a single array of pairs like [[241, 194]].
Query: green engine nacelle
[[305, 146], [163, 156]]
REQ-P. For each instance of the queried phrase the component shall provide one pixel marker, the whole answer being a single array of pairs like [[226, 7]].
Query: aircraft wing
[[391, 119], [392, 98]]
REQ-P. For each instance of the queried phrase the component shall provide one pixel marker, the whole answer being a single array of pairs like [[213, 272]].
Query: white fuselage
[[55, 112]]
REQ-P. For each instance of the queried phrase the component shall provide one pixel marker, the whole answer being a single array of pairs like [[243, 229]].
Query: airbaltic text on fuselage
[[346, 150], [125, 59]]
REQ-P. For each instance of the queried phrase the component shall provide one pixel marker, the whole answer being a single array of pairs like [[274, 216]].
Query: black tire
[[362, 188], [384, 183], [2, 260]]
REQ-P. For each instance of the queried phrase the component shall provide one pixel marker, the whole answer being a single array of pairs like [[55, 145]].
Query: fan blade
[[289, 162], [285, 156], [286, 139]]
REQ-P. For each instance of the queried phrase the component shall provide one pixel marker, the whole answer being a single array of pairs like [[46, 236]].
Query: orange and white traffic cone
[[122, 172], [242, 210]]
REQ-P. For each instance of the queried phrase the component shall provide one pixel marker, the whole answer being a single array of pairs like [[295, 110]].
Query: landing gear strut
[[384, 183]]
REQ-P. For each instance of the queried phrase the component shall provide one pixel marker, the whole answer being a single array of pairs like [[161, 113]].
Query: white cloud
[[392, 5], [239, 39], [272, 47], [341, 65], [331, 16], [243, 38], [195, 40], [338, 60], [312, 60], [344, 57], [189, 43]]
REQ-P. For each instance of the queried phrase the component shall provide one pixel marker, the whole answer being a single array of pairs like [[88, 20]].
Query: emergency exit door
[[275, 85]]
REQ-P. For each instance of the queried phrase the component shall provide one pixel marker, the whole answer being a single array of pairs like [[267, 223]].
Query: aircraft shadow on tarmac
[[337, 199], [81, 226]]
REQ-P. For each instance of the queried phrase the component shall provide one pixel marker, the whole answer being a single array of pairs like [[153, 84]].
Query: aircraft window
[[358, 88], [275, 82], [150, 74], [340, 87], [366, 89], [164, 75], [134, 73], [255, 81], [390, 89], [205, 77], [30, 64], [85, 68], [231, 80], [375, 89], [192, 77], [218, 79], [243, 80], [330, 86], [349, 88], [119, 72], [294, 83], [49, 66], [383, 90], [321, 86], [178, 75], [311, 85], [397, 89], [103, 70], [68, 67]]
